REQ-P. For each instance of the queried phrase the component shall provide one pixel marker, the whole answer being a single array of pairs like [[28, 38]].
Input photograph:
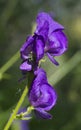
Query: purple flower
[[56, 42], [48, 38], [42, 95]]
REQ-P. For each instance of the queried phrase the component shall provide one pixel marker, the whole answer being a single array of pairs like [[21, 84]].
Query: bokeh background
[[17, 19]]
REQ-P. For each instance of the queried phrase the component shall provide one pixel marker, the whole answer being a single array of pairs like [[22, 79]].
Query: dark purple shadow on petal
[[41, 114], [52, 59]]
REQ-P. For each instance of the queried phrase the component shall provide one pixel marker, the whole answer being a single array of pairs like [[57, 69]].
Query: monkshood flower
[[48, 38], [56, 42], [41, 95]]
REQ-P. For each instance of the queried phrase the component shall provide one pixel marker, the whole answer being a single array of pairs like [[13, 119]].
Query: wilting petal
[[40, 113], [25, 66], [52, 59], [44, 17]]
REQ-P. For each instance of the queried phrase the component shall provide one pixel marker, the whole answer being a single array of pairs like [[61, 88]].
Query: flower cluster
[[48, 39]]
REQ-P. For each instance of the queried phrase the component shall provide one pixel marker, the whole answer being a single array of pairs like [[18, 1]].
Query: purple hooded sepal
[[45, 21], [41, 95]]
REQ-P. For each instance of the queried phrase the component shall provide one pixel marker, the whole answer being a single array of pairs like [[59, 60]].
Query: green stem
[[16, 109], [7, 65], [10, 63], [30, 108]]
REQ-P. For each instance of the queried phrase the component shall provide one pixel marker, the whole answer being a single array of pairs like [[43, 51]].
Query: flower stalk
[[22, 115], [13, 115], [8, 64]]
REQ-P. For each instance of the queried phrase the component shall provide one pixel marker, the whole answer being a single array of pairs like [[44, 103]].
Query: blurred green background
[[16, 22]]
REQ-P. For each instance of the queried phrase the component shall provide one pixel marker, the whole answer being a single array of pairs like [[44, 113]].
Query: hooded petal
[[25, 66], [40, 113], [45, 17], [52, 59]]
